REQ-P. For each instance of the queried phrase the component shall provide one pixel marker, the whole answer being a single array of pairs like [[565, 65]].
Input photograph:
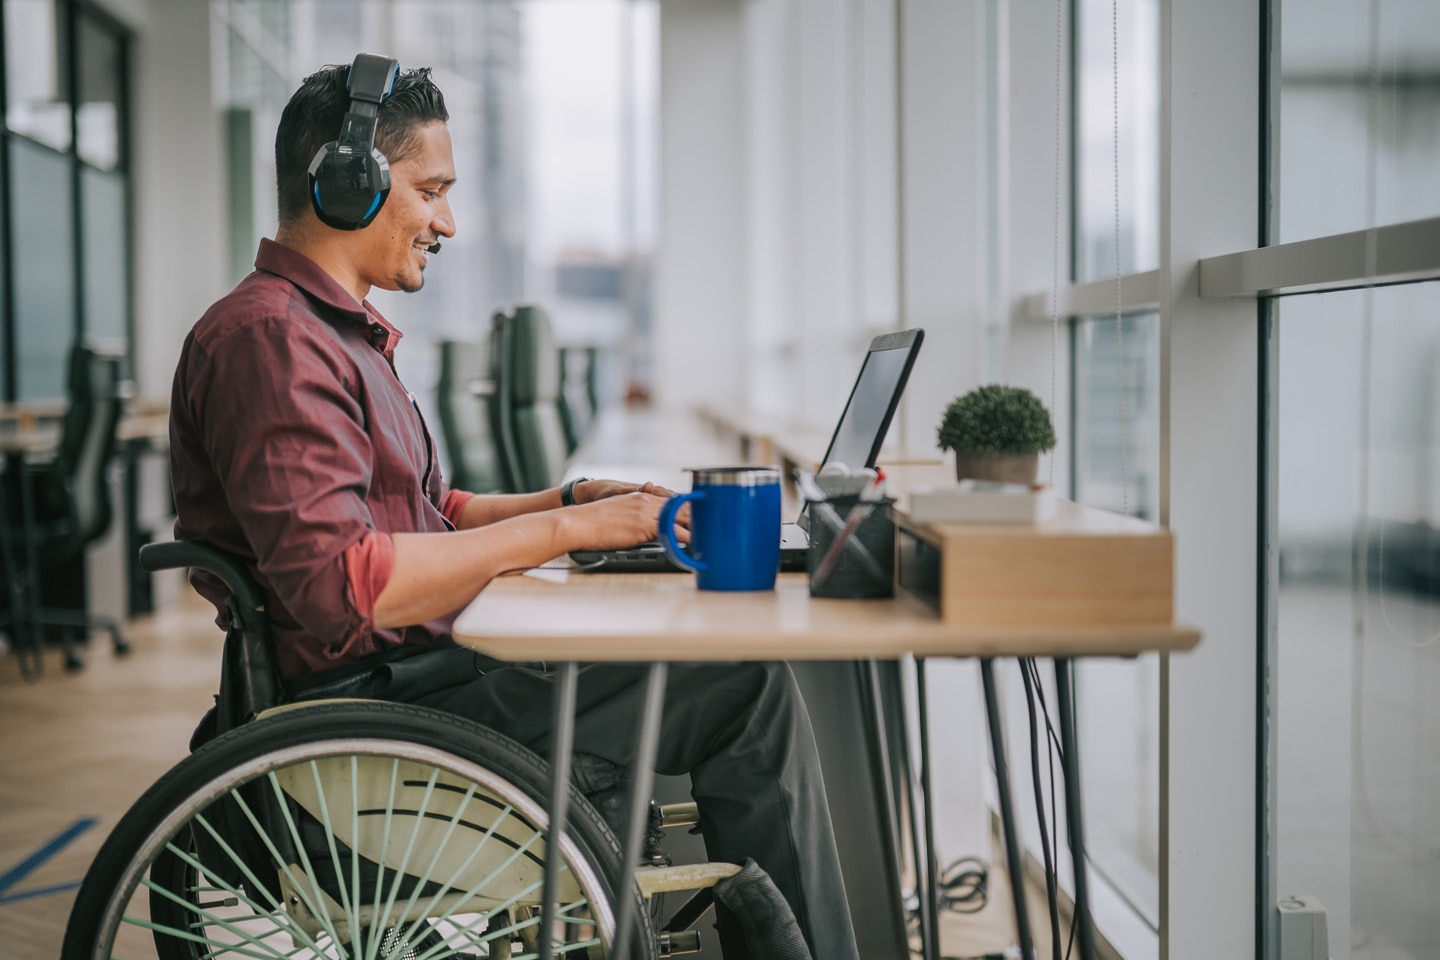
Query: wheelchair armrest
[[192, 553]]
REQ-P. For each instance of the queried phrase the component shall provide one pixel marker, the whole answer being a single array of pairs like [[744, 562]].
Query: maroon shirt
[[295, 446]]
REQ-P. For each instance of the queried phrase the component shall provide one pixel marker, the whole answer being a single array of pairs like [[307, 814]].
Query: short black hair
[[313, 116]]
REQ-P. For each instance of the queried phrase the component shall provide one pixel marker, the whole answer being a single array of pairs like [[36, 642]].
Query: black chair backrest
[[249, 679], [469, 413], [97, 398], [531, 405], [577, 392]]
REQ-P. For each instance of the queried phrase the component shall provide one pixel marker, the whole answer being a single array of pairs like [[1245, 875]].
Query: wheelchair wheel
[[353, 830]]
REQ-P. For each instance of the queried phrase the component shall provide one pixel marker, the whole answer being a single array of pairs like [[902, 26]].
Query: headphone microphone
[[349, 178], [433, 248]]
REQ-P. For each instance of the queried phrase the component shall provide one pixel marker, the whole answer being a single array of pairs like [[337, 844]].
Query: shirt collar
[[294, 266]]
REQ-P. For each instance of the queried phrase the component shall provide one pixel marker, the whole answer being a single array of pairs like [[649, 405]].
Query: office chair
[[469, 417], [578, 400], [65, 505], [531, 417]]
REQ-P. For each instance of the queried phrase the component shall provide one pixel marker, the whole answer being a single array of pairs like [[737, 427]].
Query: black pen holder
[[862, 566]]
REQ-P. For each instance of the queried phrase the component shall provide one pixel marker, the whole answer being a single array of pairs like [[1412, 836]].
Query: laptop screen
[[873, 400]]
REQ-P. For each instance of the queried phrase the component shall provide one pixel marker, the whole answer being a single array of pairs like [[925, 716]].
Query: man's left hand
[[591, 490]]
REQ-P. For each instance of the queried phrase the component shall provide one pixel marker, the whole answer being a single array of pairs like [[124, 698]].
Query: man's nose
[[444, 222]]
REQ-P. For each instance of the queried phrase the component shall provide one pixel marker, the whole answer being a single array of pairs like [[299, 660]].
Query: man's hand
[[591, 490], [619, 520]]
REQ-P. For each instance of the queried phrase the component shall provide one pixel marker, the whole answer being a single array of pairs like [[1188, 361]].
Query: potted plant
[[997, 433]]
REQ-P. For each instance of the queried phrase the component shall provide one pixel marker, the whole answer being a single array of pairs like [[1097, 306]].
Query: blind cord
[[1119, 297]]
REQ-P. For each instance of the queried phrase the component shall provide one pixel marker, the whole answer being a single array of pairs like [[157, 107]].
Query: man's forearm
[[486, 508], [435, 573]]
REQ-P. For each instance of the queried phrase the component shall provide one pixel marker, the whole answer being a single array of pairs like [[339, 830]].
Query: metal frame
[[1138, 292], [1405, 253]]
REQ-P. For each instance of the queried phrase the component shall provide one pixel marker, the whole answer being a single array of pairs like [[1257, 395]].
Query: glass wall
[[1353, 830], [1359, 122], [1117, 468], [1116, 410], [1356, 728], [66, 187], [1116, 87]]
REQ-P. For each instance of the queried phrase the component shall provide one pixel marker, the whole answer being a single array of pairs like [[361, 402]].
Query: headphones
[[349, 178]]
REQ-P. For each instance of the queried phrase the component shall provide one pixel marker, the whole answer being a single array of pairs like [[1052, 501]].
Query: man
[[295, 446]]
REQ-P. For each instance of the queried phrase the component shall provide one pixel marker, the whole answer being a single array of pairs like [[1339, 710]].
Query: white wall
[[179, 185], [701, 276], [1210, 402]]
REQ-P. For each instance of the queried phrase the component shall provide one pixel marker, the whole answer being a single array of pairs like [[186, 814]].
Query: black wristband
[[567, 491]]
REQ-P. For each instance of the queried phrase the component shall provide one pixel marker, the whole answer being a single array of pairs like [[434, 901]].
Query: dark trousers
[[740, 731]]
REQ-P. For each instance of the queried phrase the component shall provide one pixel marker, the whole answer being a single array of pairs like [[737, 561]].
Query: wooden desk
[[566, 617], [662, 616]]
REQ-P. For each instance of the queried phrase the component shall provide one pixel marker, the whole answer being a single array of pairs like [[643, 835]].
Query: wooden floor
[[77, 749]]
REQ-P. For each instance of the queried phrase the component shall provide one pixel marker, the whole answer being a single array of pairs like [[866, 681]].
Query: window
[[37, 70], [1135, 24], [1116, 411], [66, 189], [1353, 830], [1326, 164]]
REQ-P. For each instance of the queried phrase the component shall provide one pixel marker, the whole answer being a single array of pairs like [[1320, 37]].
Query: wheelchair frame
[[250, 812]]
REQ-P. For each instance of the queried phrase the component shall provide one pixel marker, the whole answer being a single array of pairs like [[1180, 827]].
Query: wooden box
[[1084, 568]]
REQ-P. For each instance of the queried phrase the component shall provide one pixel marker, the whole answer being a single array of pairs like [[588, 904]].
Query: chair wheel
[[121, 645], [73, 664]]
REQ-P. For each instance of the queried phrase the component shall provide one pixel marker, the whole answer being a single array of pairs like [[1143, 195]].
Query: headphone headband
[[349, 178]]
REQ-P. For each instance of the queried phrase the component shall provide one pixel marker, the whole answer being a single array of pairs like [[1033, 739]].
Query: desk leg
[[642, 786], [1015, 866], [562, 745], [889, 740], [1070, 762], [930, 884]]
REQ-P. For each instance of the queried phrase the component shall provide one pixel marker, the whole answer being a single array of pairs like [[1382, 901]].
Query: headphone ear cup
[[347, 189]]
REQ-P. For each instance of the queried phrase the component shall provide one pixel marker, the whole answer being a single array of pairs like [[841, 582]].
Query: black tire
[[148, 873]]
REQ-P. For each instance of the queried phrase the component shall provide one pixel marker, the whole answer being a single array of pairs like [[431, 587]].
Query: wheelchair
[[360, 830]]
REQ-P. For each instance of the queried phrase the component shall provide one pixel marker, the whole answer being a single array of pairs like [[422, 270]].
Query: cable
[[964, 886], [1053, 746], [1051, 891]]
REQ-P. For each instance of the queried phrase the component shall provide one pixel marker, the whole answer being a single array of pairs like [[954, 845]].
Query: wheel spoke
[[275, 907], [352, 920], [374, 945], [409, 850]]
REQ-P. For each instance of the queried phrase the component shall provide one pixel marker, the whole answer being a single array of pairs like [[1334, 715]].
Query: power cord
[[964, 886], [1035, 690]]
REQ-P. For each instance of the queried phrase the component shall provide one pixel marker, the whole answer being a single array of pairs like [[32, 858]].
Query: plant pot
[[1000, 467]]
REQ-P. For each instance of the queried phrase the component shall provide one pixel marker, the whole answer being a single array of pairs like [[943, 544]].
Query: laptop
[[856, 443]]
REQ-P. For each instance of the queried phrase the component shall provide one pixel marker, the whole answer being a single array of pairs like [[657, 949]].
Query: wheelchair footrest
[[689, 876], [678, 942], [678, 815]]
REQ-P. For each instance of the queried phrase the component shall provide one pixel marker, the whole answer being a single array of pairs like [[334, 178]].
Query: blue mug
[[734, 528]]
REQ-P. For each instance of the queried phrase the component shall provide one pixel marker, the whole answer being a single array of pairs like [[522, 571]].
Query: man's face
[[415, 215]]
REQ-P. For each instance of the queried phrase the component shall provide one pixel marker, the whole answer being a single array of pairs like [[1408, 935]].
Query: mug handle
[[673, 550]]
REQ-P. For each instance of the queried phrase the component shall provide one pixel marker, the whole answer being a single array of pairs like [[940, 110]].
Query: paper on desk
[[555, 571]]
